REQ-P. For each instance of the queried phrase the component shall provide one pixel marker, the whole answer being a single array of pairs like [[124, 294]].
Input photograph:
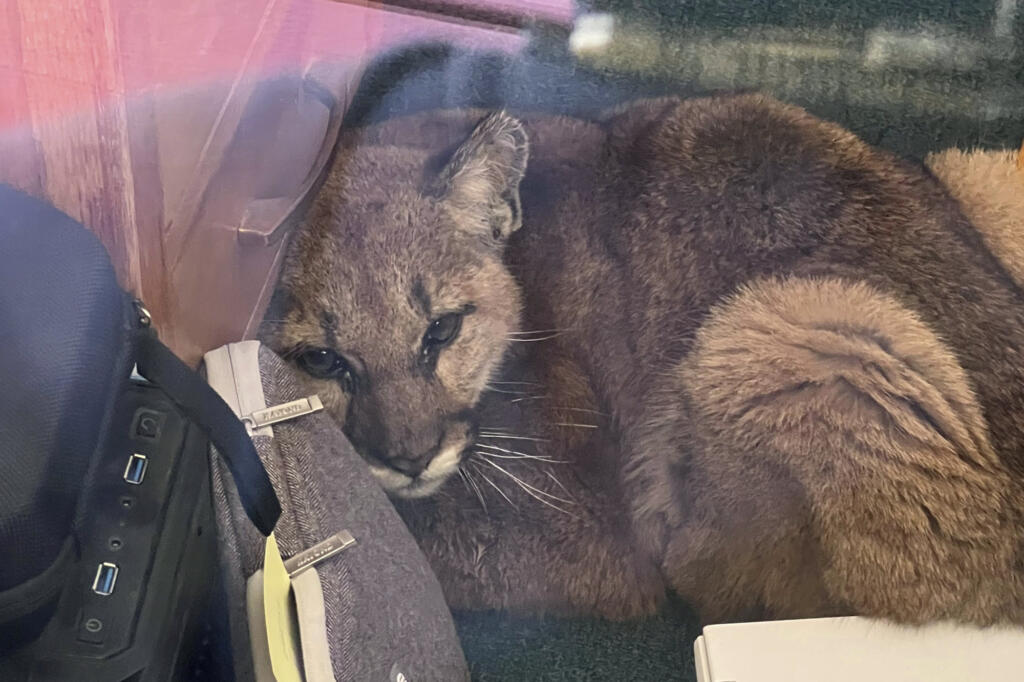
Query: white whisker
[[526, 486], [504, 436], [578, 426], [539, 331], [502, 390], [475, 488], [542, 338], [557, 482], [506, 450], [531, 397], [515, 383], [581, 409], [495, 430], [536, 458], [500, 491], [531, 491]]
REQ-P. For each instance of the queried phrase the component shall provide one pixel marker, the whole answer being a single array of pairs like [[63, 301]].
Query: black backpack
[[106, 525]]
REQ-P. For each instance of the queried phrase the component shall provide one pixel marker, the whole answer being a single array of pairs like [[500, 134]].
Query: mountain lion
[[716, 346]]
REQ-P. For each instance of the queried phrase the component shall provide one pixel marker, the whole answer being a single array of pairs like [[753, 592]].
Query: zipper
[[142, 318], [141, 321]]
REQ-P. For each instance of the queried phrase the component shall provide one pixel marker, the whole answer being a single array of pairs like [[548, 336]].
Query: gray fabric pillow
[[385, 615]]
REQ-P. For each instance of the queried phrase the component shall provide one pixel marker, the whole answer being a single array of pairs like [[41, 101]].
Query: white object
[[592, 32], [857, 649]]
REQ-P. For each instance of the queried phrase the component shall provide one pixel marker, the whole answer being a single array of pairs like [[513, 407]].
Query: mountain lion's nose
[[410, 466]]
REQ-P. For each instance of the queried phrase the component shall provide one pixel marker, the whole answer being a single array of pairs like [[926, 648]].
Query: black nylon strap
[[205, 408]]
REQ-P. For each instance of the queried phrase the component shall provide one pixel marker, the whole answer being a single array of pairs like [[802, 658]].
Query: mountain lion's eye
[[442, 331], [324, 363]]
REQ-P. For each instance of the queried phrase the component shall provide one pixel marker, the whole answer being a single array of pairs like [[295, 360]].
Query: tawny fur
[[784, 375], [845, 465], [990, 188]]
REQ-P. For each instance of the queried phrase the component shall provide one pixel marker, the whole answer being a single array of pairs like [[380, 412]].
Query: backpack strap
[[205, 408]]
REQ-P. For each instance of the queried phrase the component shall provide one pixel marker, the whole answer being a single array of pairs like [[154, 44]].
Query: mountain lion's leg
[[833, 443]]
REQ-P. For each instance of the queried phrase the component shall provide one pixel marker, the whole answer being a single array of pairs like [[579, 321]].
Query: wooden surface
[[140, 118]]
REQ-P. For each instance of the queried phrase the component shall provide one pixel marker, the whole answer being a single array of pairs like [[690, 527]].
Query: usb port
[[106, 576], [136, 469]]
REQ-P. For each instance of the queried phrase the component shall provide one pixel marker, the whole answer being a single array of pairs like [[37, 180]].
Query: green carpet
[[501, 647]]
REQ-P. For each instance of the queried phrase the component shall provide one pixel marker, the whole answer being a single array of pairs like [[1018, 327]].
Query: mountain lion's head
[[394, 300]]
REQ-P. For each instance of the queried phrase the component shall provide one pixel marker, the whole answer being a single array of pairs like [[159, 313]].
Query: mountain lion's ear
[[481, 182]]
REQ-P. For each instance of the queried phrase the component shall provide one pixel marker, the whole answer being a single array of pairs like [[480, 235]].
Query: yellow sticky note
[[282, 627]]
